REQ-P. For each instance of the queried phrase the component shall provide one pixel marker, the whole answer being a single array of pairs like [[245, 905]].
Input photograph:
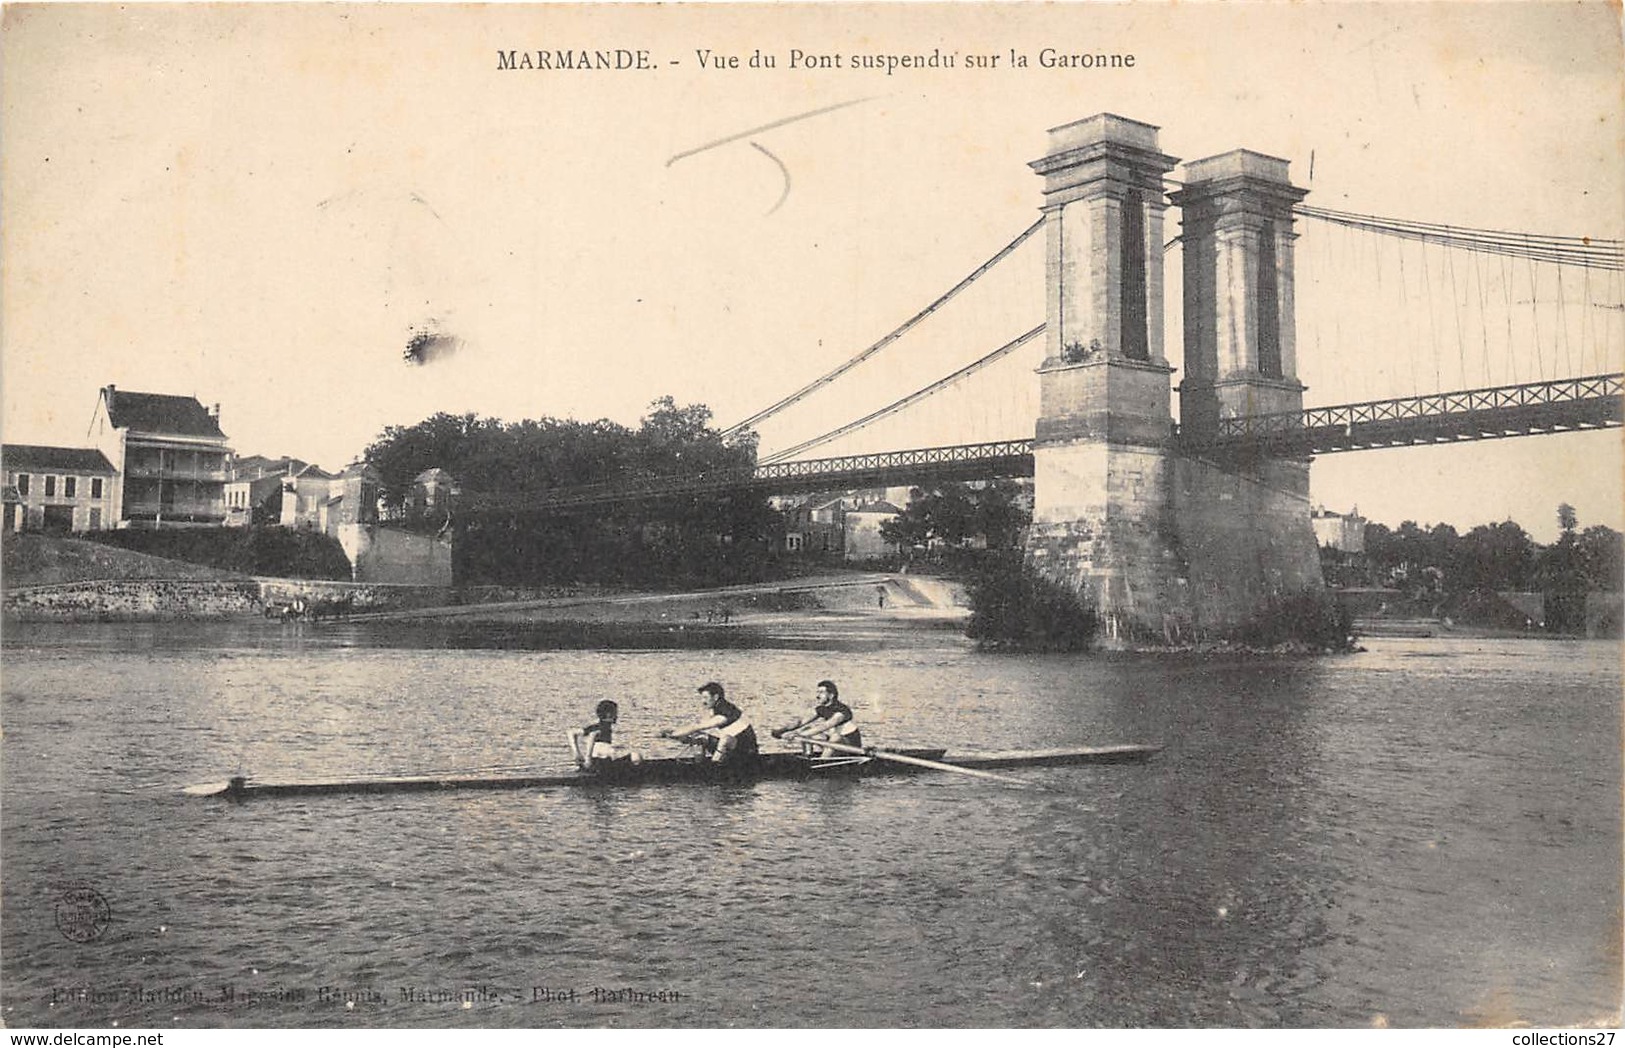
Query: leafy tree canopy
[[533, 455], [1497, 557], [953, 513], [728, 537]]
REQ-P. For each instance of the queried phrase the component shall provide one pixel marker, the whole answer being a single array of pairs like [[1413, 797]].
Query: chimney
[[214, 411]]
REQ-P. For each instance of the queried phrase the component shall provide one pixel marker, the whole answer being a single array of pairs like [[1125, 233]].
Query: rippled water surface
[[1424, 834]]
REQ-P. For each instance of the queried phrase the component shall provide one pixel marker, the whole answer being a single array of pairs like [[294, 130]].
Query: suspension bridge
[[1047, 360], [1462, 334]]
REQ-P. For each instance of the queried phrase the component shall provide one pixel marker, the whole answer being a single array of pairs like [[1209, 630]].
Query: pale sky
[[258, 205]]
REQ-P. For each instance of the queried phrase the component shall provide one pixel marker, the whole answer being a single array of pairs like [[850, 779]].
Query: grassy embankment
[[44, 560]]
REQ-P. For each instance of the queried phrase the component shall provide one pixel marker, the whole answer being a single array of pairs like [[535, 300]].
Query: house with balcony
[[56, 489], [171, 458]]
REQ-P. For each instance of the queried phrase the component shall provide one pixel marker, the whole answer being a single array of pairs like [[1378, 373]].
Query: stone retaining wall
[[135, 601], [160, 600]]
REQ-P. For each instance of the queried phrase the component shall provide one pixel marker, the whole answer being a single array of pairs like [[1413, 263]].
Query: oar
[[903, 758]]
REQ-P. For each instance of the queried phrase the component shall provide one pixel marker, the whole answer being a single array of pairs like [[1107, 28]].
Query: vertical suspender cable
[[1405, 310], [1483, 321], [1433, 331], [1563, 323], [1455, 307], [1534, 309], [1506, 297], [1587, 324]]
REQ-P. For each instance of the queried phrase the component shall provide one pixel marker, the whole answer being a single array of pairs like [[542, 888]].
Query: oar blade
[[921, 762]]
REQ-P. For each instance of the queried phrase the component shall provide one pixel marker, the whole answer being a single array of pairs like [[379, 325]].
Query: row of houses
[[153, 460], [157, 460]]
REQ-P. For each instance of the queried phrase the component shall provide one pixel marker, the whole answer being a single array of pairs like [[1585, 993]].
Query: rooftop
[[44, 459], [160, 413]]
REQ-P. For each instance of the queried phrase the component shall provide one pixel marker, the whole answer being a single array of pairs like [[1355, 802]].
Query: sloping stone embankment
[[126, 600], [171, 600]]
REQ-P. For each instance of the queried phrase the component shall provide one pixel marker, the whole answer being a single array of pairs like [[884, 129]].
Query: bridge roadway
[[1523, 410], [1560, 405]]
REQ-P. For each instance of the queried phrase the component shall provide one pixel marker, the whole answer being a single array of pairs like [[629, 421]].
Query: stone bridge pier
[[1161, 541]]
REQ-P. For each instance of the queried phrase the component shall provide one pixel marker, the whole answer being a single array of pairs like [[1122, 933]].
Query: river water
[[1424, 834]]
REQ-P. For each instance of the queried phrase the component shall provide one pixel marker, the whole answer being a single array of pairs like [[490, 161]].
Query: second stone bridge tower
[[1161, 539]]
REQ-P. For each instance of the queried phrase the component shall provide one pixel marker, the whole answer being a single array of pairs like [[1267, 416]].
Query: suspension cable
[[908, 324], [898, 405], [1591, 252]]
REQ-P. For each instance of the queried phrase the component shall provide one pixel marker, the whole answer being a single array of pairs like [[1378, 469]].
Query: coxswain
[[726, 733], [596, 741], [830, 720]]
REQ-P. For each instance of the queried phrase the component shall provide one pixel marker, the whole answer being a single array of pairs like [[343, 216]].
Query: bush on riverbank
[[288, 553], [1014, 607], [1315, 620]]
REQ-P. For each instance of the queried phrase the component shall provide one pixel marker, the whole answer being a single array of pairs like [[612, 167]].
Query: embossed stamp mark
[[82, 914]]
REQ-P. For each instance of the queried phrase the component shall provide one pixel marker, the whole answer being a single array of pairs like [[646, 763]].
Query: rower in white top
[[830, 720], [725, 733]]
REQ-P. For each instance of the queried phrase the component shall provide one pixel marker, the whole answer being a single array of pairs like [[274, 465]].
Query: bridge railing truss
[[1011, 458], [1590, 402]]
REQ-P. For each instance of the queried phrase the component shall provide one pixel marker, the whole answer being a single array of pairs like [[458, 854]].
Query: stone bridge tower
[[1162, 540]]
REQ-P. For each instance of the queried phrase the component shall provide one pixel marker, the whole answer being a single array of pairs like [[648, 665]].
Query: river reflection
[[1424, 834]]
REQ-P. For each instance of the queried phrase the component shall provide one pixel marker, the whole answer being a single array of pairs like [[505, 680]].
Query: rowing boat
[[672, 770]]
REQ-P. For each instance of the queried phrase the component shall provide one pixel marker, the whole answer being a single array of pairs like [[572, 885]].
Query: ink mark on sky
[[428, 343], [782, 170], [415, 198], [765, 127]]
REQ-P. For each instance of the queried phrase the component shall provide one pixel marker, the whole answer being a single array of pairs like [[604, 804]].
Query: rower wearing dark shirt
[[596, 741], [726, 733], [831, 720]]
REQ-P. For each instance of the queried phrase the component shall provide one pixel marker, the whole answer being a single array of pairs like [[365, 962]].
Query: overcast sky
[[260, 205]]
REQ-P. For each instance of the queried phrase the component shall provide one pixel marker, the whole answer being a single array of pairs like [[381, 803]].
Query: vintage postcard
[[804, 516]]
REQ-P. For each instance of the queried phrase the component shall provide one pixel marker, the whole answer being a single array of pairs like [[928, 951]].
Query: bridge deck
[[1592, 402]]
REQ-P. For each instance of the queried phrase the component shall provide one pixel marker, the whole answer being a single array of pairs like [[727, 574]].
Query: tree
[[907, 530], [1494, 557], [952, 514], [945, 514], [1578, 561], [1567, 519], [459, 444], [1602, 555], [725, 537], [999, 517]]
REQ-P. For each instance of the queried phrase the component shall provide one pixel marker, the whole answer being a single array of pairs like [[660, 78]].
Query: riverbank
[[61, 580], [854, 607], [51, 579]]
